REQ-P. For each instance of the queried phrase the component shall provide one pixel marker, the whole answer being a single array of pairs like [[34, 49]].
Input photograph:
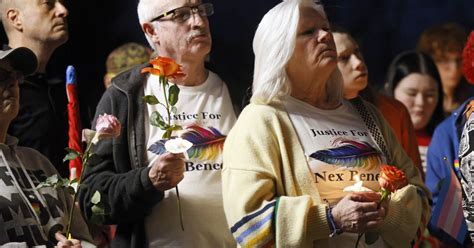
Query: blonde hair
[[273, 46]]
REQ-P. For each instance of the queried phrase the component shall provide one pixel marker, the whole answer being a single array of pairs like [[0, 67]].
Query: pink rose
[[108, 126]]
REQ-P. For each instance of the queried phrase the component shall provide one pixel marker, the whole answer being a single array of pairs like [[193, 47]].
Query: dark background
[[382, 27]]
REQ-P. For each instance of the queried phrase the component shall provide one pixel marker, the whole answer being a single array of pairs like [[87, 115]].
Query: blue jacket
[[441, 159]]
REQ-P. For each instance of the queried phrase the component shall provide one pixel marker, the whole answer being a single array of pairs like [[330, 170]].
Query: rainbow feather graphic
[[207, 143], [350, 153]]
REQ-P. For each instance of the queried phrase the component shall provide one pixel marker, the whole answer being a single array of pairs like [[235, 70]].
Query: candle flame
[[357, 178], [358, 186]]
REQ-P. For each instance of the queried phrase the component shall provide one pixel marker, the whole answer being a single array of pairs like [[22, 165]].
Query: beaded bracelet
[[334, 230]]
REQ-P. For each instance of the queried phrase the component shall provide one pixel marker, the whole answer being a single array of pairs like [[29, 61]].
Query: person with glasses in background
[[450, 164], [138, 180], [444, 44]]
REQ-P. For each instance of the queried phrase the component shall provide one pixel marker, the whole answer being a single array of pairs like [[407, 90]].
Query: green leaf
[[173, 94], [164, 126], [157, 120], [151, 99], [167, 134], [42, 185], [176, 128], [62, 183], [98, 214], [72, 154], [174, 110], [96, 198], [98, 210], [53, 179]]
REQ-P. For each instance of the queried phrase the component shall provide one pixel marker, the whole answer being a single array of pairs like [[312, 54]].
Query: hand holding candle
[[391, 179]]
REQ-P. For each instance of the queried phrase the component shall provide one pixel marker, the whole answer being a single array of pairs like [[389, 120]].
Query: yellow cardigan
[[269, 197]]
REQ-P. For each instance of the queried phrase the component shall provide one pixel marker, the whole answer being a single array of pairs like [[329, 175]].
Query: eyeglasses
[[182, 14]]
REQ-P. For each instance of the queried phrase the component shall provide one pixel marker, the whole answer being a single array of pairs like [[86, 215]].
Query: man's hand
[[63, 242], [167, 171]]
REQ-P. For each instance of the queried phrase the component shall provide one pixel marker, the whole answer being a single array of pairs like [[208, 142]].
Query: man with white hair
[[139, 180]]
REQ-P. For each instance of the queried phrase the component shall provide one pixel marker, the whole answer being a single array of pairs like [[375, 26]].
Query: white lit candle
[[357, 187]]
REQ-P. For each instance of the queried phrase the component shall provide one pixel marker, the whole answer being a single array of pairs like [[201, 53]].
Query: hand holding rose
[[167, 171], [390, 180], [107, 127]]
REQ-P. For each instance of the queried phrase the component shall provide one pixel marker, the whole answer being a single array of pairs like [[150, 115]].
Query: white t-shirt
[[208, 110], [339, 148]]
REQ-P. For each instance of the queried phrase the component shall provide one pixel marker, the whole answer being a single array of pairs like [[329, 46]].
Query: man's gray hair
[[274, 44]]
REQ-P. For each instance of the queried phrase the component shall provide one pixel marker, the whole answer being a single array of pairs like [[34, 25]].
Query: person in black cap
[[30, 216], [42, 121]]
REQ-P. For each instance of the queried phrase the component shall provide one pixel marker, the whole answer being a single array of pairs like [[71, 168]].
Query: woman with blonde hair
[[299, 147]]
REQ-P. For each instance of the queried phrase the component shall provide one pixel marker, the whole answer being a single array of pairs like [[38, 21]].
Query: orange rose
[[164, 67], [391, 178]]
